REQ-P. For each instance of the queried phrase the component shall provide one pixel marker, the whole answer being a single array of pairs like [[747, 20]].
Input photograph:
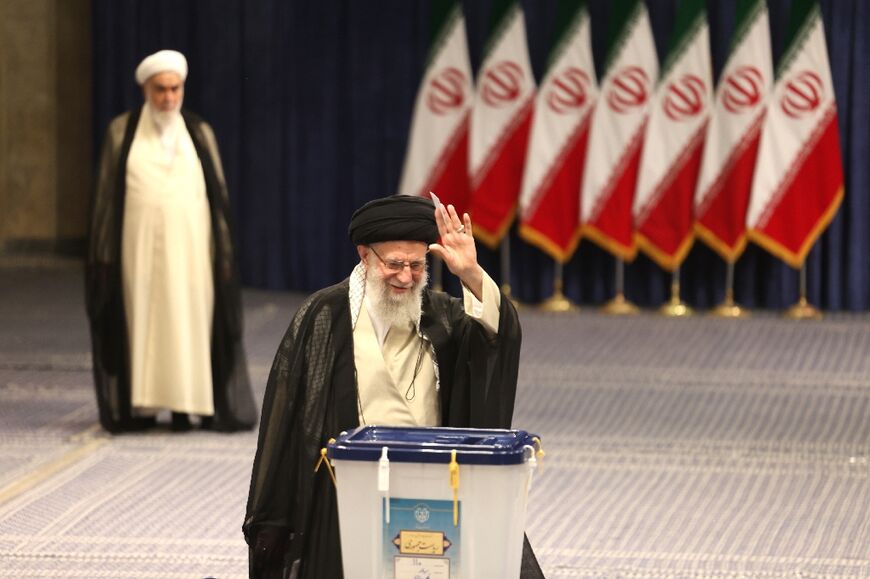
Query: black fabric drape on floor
[[311, 103]]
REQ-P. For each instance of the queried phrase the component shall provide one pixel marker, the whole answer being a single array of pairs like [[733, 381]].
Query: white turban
[[162, 61]]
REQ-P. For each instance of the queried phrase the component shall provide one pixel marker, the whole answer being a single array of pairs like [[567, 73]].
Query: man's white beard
[[389, 307], [165, 119]]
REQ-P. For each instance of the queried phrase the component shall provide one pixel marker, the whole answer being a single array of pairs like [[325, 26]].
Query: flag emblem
[[446, 91], [742, 89], [685, 98], [570, 90], [630, 89], [502, 84], [803, 94]]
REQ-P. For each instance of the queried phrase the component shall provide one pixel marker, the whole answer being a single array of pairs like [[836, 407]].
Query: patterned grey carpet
[[675, 448]]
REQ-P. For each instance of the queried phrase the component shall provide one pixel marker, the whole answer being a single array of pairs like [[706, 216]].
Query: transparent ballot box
[[432, 503]]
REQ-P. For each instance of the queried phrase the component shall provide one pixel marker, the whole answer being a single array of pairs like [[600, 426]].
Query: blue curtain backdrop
[[311, 103]]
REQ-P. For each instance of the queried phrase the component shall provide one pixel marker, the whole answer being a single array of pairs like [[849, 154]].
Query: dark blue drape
[[311, 103]]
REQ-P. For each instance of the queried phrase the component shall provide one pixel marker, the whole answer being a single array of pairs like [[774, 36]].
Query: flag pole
[[675, 307], [728, 308], [558, 302], [619, 306], [803, 310], [506, 270]]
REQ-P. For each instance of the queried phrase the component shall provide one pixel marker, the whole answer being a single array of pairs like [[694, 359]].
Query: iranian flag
[[798, 182], [500, 122], [671, 160], [617, 131], [437, 155], [550, 195], [722, 195]]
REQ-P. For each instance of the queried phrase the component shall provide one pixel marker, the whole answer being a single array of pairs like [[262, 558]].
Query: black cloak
[[233, 400], [291, 523]]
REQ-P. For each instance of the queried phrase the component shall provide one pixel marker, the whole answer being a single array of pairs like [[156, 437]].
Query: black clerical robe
[[233, 399], [292, 519]]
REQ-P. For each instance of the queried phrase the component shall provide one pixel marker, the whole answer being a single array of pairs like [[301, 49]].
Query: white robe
[[167, 273]]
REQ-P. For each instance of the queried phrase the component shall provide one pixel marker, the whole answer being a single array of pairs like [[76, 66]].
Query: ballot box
[[432, 503]]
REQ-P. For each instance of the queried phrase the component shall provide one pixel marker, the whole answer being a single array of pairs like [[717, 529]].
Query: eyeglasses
[[397, 265]]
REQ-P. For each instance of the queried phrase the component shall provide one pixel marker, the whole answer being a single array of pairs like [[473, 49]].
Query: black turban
[[396, 218]]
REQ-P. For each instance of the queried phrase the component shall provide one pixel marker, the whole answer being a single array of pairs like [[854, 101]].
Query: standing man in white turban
[[162, 286]]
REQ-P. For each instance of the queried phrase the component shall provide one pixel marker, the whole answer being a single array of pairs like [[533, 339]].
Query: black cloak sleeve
[[291, 513]]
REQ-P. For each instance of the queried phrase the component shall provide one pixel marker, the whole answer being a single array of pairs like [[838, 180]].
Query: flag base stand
[[619, 306], [558, 303], [676, 308], [729, 309], [803, 310]]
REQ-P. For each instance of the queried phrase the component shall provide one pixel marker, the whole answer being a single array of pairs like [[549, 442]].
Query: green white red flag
[[731, 148], [617, 131], [550, 195], [437, 154], [798, 182], [671, 160], [500, 122]]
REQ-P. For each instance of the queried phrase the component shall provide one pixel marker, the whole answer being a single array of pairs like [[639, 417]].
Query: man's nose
[[405, 275]]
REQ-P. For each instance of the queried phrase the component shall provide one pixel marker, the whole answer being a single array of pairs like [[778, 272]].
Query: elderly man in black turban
[[378, 348]]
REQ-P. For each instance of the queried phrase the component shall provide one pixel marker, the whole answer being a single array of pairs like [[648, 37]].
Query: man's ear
[[363, 251]]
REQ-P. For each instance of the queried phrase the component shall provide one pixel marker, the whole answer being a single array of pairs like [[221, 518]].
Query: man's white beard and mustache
[[395, 309], [167, 124], [165, 119]]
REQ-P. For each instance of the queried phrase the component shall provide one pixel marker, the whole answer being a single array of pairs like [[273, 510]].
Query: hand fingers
[[454, 217], [440, 221], [467, 219], [448, 221], [437, 250], [445, 216]]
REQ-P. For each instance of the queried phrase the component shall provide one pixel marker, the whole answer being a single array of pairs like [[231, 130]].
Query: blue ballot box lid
[[433, 445]]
